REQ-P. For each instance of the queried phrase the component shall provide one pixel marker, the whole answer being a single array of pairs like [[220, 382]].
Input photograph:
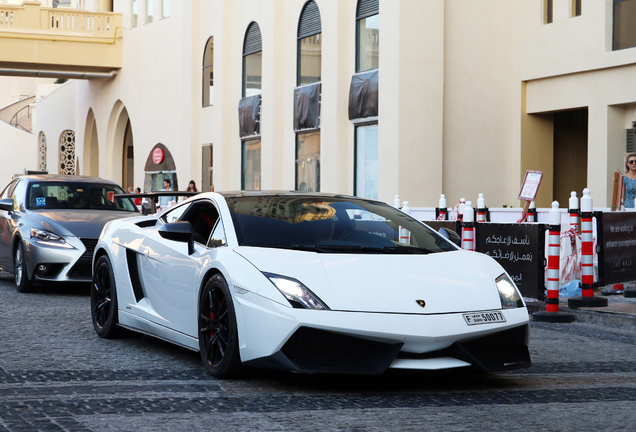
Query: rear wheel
[[104, 300], [22, 282], [218, 335]]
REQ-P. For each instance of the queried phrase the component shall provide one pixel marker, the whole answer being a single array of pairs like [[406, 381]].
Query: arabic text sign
[[519, 250], [619, 247], [530, 185]]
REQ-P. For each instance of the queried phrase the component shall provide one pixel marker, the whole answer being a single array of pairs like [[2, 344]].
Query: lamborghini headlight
[[47, 238], [297, 294], [508, 293]]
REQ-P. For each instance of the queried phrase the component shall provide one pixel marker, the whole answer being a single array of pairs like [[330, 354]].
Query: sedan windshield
[[69, 195], [330, 225]]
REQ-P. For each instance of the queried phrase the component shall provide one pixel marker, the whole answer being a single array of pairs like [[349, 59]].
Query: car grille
[[82, 269], [312, 350]]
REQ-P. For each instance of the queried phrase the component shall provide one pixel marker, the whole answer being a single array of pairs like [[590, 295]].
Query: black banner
[[519, 248], [617, 246]]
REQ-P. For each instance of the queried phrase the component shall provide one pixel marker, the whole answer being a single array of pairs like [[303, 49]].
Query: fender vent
[[133, 271]]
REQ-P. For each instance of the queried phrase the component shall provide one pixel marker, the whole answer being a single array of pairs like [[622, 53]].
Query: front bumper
[[54, 264], [274, 336]]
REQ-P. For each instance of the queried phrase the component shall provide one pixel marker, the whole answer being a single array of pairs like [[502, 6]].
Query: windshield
[[330, 225], [68, 195]]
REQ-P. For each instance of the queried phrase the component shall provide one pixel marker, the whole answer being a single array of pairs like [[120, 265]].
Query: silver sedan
[[49, 226]]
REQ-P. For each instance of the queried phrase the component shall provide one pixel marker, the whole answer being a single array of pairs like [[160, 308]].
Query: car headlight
[[49, 239], [297, 294], [508, 293]]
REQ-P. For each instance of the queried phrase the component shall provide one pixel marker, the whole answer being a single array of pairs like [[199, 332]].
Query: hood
[[447, 282], [79, 223]]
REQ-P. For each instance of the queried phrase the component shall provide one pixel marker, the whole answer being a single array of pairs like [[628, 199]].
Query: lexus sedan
[[49, 226], [306, 282]]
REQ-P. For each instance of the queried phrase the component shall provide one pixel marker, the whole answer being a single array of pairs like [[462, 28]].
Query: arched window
[[367, 35], [42, 152], [309, 44], [252, 61], [208, 73], [67, 152]]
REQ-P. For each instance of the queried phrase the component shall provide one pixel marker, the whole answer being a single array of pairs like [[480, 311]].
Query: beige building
[[367, 97]]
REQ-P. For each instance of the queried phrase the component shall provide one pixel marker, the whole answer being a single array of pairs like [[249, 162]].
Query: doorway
[[570, 154]]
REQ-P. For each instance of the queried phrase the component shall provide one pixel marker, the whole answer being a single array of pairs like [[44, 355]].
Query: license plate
[[484, 318]]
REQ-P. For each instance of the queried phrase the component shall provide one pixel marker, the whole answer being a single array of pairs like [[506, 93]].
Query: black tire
[[20, 273], [104, 300], [218, 336]]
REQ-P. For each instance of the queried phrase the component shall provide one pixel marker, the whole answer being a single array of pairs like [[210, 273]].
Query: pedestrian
[[164, 201], [192, 187], [138, 200], [629, 180]]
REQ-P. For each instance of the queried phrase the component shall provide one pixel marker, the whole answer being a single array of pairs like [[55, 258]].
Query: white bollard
[[468, 227], [442, 210], [481, 208]]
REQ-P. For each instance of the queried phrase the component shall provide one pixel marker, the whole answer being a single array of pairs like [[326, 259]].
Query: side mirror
[[451, 235], [6, 204], [180, 232]]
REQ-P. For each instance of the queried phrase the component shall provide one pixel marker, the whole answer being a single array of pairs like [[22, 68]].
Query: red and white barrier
[[532, 213], [468, 231], [481, 208], [551, 313], [587, 258], [442, 211], [554, 257]]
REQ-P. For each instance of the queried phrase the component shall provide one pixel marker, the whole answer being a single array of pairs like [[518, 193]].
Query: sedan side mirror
[[180, 232], [6, 204], [451, 235]]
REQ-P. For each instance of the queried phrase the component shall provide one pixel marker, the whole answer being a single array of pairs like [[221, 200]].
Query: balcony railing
[[29, 17]]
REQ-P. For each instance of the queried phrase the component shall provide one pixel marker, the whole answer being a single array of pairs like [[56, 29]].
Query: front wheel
[[104, 300], [22, 282], [218, 336]]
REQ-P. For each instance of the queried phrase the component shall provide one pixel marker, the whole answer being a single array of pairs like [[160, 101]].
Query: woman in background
[[192, 186], [629, 181]]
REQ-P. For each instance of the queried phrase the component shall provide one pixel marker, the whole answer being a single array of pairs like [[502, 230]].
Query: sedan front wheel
[[22, 282]]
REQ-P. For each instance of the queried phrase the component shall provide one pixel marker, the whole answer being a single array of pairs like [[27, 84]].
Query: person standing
[[192, 187], [138, 200], [629, 180], [164, 201]]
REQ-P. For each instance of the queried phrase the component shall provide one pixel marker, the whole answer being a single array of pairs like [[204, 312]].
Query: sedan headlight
[[297, 294], [47, 238], [508, 293]]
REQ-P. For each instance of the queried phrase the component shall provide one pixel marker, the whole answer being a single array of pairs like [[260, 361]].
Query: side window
[[217, 238], [202, 215], [175, 214], [6, 193], [18, 196]]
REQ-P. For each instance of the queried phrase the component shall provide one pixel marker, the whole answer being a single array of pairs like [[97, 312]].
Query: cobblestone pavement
[[57, 375]]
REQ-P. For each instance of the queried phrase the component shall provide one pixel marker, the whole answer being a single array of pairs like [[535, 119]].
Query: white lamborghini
[[307, 282]]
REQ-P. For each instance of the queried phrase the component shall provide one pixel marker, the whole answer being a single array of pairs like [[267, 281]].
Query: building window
[[42, 152], [67, 152], [252, 61], [366, 160], [308, 161], [624, 28], [149, 10], [576, 8], [309, 45], [165, 8], [208, 73], [548, 9], [207, 168], [367, 35], [134, 13], [251, 164]]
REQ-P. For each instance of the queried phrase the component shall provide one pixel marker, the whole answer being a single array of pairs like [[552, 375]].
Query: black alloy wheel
[[218, 336], [104, 300], [21, 276]]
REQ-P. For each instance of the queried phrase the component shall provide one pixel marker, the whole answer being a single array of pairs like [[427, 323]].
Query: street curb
[[604, 318]]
